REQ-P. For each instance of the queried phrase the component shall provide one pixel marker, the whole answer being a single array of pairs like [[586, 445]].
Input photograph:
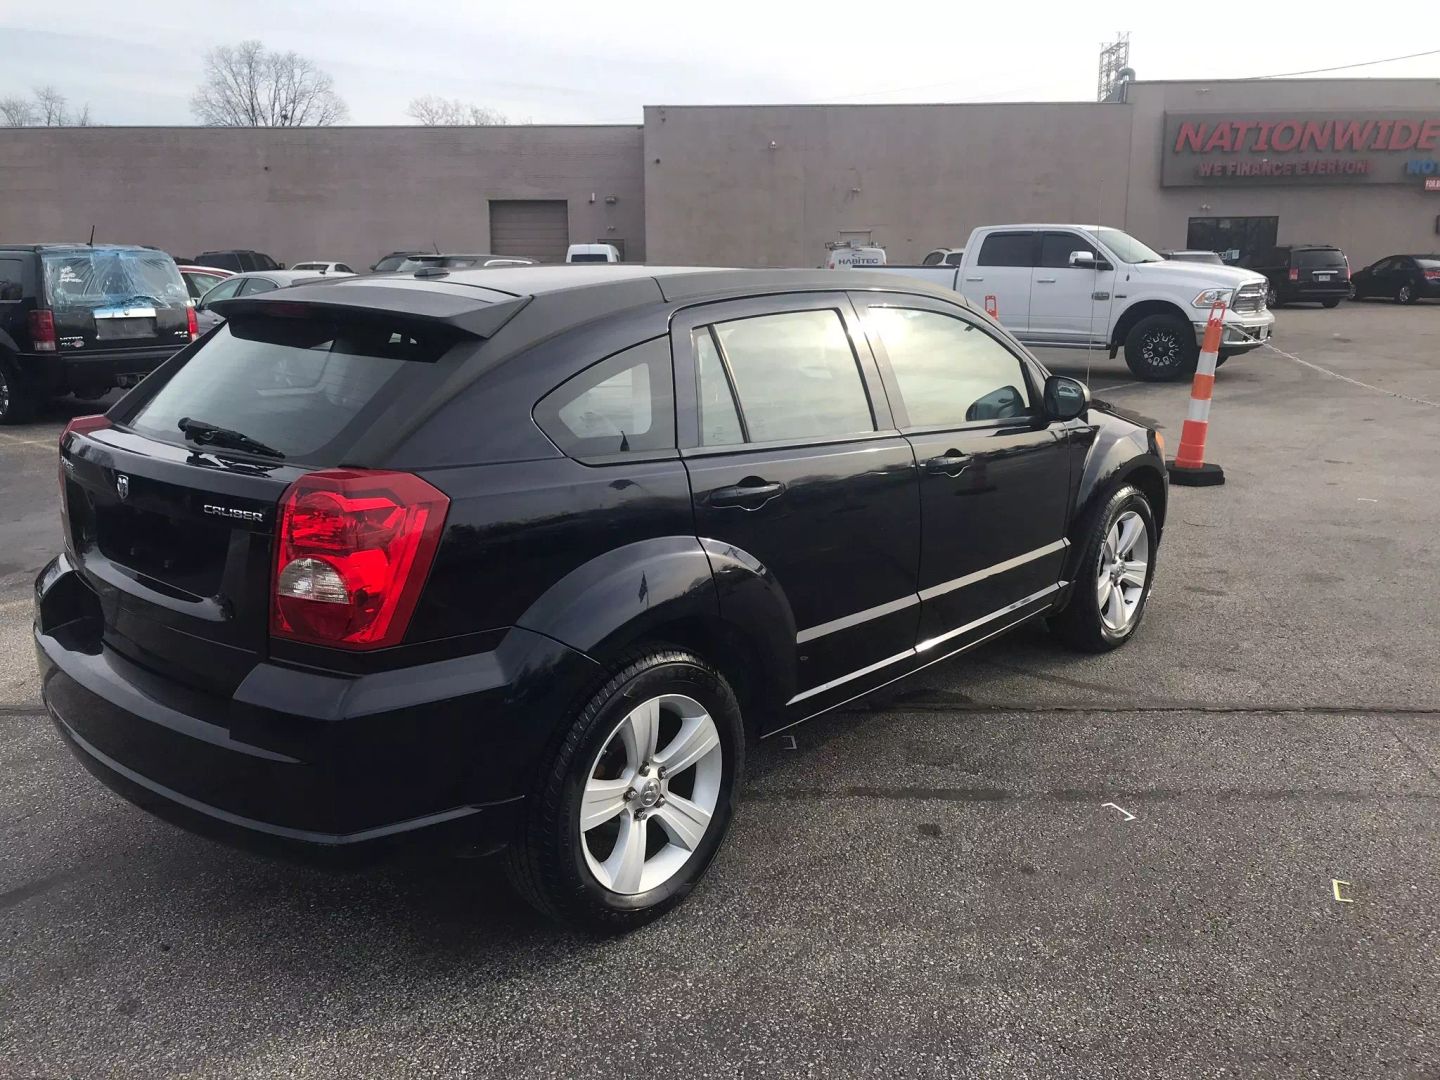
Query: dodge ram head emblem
[[122, 485]]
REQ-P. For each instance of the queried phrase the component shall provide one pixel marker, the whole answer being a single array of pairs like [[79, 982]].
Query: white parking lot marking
[[1128, 816], [1335, 884]]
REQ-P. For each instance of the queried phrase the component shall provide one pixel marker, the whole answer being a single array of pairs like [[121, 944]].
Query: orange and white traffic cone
[[1189, 467]]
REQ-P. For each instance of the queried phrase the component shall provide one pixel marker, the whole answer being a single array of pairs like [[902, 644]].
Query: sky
[[567, 62]]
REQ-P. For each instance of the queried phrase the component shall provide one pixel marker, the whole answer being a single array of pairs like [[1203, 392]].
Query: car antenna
[[91, 241], [436, 246]]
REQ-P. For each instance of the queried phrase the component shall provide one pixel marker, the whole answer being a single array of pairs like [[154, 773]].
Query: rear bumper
[[60, 372], [1314, 294], [302, 763]]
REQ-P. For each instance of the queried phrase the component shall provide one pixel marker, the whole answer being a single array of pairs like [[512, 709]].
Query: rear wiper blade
[[199, 431]]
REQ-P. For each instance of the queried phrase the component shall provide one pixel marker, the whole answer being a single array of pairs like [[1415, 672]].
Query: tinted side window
[[1055, 249], [620, 405], [1008, 249], [251, 286], [796, 375], [949, 370], [12, 277], [955, 258], [719, 420], [933, 259]]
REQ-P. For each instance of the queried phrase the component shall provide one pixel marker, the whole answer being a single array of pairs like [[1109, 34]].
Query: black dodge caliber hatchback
[[524, 558]]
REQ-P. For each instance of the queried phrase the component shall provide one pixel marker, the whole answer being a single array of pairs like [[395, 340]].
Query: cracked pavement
[[935, 881]]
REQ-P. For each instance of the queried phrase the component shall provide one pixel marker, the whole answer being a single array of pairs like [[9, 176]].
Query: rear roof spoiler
[[478, 312]]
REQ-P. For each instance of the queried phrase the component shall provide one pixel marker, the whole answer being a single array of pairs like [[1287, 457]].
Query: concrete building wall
[[345, 193], [1369, 221], [770, 185]]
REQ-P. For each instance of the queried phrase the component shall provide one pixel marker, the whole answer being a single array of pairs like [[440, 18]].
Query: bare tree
[[248, 86], [49, 106], [46, 107], [433, 111], [16, 112]]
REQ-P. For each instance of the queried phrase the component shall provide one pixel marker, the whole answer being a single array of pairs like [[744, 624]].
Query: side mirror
[[1065, 398], [1083, 258]]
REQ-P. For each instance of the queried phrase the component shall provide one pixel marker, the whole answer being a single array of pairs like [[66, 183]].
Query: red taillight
[[191, 323], [1294, 274], [42, 330], [1432, 275], [81, 425], [352, 553]]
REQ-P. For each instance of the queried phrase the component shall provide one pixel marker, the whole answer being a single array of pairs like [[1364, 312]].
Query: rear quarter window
[[623, 405]]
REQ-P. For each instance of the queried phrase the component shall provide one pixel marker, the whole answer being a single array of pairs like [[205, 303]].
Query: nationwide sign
[[1303, 148]]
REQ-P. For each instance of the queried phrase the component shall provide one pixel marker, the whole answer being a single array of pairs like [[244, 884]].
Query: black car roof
[[480, 301]]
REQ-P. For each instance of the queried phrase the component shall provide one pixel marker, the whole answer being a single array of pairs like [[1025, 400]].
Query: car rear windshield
[[1308, 260], [588, 257], [305, 387], [1429, 262], [105, 277]]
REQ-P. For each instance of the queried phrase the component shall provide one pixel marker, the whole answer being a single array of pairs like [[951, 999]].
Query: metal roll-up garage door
[[539, 228]]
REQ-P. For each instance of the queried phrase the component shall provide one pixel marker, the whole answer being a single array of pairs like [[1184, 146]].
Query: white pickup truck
[[1086, 287]]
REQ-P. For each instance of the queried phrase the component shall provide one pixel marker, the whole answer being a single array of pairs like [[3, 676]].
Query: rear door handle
[[750, 494], [1045, 280], [974, 279], [951, 463]]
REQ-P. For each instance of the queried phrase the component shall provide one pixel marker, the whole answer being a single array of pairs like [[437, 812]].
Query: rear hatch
[[175, 532], [106, 300], [1320, 270]]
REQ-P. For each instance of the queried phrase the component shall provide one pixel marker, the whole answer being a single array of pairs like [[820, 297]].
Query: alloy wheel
[[4, 396], [1124, 565], [650, 794], [1404, 294], [1161, 349], [1272, 298]]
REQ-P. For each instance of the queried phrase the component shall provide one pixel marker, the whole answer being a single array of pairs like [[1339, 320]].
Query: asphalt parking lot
[[1024, 862]]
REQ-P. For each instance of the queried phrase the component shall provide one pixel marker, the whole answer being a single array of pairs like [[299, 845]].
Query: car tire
[[1405, 294], [1272, 296], [1161, 347], [17, 401], [1106, 602], [645, 846], [1330, 303], [1351, 293]]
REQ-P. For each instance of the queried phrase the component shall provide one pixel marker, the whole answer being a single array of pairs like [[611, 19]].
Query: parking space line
[[1352, 382], [16, 440], [1119, 386]]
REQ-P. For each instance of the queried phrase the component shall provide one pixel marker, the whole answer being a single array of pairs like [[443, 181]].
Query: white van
[[592, 253]]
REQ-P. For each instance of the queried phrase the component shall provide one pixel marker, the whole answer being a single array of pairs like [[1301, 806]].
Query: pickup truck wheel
[[1161, 347], [1115, 571], [17, 401], [637, 799]]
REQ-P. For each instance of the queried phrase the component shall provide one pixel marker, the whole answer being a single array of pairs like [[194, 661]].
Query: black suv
[[82, 319], [1306, 273], [238, 260], [522, 558]]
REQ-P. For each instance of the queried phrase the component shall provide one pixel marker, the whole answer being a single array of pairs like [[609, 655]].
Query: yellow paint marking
[[1335, 884]]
